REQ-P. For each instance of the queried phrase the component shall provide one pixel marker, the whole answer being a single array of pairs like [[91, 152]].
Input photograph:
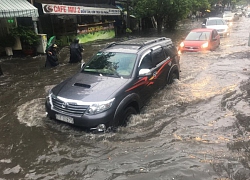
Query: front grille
[[68, 108], [189, 47]]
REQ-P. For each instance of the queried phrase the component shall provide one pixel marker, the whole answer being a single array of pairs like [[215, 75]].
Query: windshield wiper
[[91, 72], [114, 73]]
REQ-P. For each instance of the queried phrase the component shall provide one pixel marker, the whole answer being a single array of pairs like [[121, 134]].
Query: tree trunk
[[1, 72], [159, 24]]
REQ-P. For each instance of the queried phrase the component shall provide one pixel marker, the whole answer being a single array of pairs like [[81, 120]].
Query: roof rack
[[143, 42], [134, 42], [154, 40], [110, 44]]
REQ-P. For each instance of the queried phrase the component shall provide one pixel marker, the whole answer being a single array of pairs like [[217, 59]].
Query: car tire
[[126, 115], [171, 78], [122, 119]]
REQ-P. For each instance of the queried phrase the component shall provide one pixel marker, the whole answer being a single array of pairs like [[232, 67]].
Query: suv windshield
[[111, 63]]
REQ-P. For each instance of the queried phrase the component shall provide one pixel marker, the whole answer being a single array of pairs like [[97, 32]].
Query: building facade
[[87, 20]]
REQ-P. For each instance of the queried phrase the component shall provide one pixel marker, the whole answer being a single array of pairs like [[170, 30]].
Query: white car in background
[[217, 23], [229, 17]]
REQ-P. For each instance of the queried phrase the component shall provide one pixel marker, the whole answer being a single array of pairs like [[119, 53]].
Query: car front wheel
[[126, 115]]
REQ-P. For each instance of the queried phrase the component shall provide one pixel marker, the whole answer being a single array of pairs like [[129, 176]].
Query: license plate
[[66, 119]]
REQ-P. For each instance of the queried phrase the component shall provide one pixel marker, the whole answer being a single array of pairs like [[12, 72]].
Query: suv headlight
[[98, 107], [49, 97]]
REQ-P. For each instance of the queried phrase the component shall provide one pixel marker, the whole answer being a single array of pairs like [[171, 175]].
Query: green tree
[[167, 12]]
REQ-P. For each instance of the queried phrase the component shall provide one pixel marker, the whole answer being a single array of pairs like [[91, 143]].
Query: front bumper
[[192, 49], [87, 121]]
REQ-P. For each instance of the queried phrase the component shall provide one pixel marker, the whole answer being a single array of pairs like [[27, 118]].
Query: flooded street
[[195, 129]]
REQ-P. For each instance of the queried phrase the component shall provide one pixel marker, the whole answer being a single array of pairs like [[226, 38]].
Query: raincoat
[[75, 52], [52, 59]]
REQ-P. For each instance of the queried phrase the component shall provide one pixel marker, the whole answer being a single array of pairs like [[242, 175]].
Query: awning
[[17, 8]]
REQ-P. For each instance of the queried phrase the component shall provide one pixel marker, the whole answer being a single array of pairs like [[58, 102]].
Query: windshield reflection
[[111, 64], [198, 36]]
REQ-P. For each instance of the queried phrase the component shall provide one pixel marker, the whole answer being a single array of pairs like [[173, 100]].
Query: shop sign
[[85, 29], [78, 10]]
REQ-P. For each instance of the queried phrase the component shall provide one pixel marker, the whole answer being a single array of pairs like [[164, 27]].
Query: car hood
[[89, 87], [218, 27], [228, 18], [194, 43]]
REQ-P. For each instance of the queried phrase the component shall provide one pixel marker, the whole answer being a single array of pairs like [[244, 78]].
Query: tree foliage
[[168, 12]]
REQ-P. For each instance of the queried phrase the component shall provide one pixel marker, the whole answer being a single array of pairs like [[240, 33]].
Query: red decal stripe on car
[[161, 68], [141, 82], [149, 82]]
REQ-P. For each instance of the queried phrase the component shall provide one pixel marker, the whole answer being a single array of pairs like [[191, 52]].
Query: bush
[[128, 30], [27, 35]]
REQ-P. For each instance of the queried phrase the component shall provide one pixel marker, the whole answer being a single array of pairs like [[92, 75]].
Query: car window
[[198, 36], [212, 22], [220, 22], [146, 62], [110, 63], [158, 56], [215, 33], [170, 51]]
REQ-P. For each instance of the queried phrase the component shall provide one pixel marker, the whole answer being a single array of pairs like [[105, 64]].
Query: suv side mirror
[[145, 72], [214, 39]]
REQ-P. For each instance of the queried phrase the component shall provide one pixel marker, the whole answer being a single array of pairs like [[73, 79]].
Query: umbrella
[[51, 41]]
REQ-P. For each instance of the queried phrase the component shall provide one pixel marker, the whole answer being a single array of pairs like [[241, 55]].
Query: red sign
[[78, 10]]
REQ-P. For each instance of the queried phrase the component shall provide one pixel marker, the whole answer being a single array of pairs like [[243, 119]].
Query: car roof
[[135, 45], [202, 29]]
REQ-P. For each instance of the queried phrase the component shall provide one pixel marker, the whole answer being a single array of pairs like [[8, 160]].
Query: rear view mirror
[[214, 39]]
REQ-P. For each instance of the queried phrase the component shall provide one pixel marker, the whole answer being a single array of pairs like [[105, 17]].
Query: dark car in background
[[115, 83]]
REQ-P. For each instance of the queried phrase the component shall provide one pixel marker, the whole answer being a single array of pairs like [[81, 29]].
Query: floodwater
[[195, 129]]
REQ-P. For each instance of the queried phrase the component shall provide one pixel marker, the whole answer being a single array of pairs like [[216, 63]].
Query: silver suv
[[217, 23], [115, 83]]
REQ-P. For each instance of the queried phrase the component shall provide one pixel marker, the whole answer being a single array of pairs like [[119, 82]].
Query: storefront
[[88, 23], [11, 12]]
